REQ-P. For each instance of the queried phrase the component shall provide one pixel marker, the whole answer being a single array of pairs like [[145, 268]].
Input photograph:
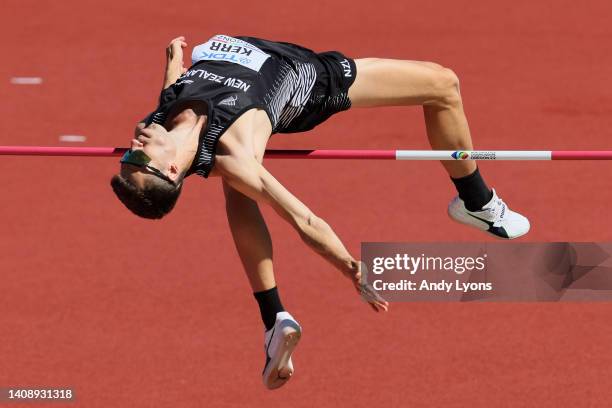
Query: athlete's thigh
[[389, 82]]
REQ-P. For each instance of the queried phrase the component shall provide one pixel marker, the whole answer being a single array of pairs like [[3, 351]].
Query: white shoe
[[279, 343], [495, 218]]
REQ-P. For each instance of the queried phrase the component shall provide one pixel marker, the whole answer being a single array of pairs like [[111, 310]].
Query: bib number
[[230, 49]]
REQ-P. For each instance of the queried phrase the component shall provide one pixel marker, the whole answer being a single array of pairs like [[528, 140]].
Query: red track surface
[[133, 313]]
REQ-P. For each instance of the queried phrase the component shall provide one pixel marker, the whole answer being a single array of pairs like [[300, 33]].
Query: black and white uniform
[[296, 87]]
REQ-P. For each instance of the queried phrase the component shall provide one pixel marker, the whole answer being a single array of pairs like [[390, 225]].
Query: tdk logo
[[460, 155]]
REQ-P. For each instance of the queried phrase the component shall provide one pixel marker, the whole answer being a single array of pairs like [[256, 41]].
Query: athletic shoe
[[279, 343], [495, 218]]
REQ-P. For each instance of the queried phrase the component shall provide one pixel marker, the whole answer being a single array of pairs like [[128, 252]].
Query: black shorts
[[335, 75]]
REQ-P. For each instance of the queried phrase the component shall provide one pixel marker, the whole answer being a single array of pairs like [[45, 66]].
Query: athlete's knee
[[446, 88], [430, 64]]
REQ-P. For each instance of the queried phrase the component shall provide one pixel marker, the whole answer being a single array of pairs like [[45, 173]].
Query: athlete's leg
[[385, 82], [247, 225], [254, 246], [251, 238]]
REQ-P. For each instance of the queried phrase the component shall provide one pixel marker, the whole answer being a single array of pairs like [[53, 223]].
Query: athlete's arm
[[245, 174], [174, 70], [174, 61]]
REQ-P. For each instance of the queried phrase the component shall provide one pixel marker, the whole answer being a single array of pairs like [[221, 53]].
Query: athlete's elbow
[[241, 177]]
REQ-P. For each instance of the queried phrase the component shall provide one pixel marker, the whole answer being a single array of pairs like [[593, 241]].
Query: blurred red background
[[137, 313]]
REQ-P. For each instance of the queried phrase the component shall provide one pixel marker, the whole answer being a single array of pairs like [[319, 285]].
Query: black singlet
[[296, 87]]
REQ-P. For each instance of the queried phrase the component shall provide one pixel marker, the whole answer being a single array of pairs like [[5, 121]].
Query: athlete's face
[[157, 144]]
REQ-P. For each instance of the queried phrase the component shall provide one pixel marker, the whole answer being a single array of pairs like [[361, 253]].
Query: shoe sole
[[278, 372]]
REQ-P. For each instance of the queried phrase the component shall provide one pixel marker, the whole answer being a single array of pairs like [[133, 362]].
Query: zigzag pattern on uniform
[[337, 103], [159, 118], [290, 92], [206, 155]]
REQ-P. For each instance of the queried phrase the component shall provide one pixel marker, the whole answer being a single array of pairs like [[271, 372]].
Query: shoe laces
[[497, 211]]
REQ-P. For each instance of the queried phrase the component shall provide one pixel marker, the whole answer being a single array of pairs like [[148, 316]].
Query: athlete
[[215, 118]]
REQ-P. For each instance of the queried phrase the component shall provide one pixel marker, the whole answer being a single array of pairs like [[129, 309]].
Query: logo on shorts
[[346, 67], [229, 101], [460, 155]]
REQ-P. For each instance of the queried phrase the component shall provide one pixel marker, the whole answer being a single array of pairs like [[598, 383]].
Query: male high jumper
[[216, 118]]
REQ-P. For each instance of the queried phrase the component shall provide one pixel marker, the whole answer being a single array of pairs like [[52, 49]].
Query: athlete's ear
[[174, 172]]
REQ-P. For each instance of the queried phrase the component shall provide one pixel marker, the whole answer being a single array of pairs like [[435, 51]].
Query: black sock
[[269, 305], [473, 191]]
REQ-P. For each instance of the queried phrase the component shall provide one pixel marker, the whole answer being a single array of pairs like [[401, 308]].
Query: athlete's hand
[[174, 52], [367, 292]]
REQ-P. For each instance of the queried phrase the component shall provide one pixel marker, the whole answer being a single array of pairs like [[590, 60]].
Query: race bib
[[230, 49]]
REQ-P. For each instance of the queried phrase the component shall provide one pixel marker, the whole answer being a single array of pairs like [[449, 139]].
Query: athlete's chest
[[251, 132]]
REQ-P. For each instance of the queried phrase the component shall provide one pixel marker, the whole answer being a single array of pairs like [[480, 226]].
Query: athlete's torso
[[235, 75]]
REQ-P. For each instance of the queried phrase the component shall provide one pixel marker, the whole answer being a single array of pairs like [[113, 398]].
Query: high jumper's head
[[150, 181]]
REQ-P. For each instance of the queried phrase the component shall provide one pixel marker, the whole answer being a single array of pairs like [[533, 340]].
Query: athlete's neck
[[185, 128]]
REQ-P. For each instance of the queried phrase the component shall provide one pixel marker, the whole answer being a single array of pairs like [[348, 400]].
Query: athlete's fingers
[[367, 290], [372, 297], [359, 290], [176, 47], [180, 38], [380, 306], [383, 306]]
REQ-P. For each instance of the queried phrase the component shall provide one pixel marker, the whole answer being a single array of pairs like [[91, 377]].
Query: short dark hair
[[154, 201]]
